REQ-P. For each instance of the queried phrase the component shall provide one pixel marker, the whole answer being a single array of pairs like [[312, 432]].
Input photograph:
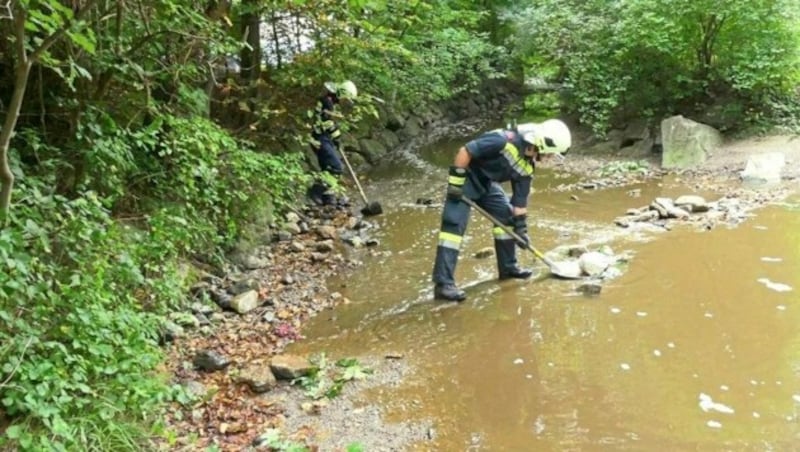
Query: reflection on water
[[695, 347]]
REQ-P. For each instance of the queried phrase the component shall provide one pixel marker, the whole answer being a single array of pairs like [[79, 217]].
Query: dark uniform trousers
[[329, 162], [491, 197]]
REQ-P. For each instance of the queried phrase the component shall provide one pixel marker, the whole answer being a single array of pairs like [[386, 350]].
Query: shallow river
[[696, 346]]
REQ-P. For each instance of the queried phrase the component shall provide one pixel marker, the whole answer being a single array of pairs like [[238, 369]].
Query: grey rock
[[326, 232], [324, 246], [484, 253], [692, 203], [686, 143], [210, 360], [258, 377], [289, 367], [594, 263], [243, 285], [590, 289], [245, 302]]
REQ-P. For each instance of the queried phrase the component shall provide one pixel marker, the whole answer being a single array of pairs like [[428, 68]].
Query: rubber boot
[[516, 273], [448, 292]]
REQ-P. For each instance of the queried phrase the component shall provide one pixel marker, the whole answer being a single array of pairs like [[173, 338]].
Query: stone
[[245, 302], [243, 285], [484, 253], [692, 203], [172, 331], [686, 143], [764, 168], [292, 217], [577, 251], [292, 228], [297, 247], [326, 232], [254, 262], [590, 289], [324, 246], [258, 377], [289, 367], [210, 360], [594, 263], [184, 319]]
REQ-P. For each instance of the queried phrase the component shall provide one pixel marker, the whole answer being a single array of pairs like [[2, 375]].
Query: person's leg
[[330, 163], [496, 204], [455, 216]]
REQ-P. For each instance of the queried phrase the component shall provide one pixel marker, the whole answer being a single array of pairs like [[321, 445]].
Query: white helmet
[[551, 136], [347, 90]]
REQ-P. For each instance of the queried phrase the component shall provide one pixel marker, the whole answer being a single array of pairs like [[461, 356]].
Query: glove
[[520, 225], [455, 183]]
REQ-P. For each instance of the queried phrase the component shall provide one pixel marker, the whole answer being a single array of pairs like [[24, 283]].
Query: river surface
[[696, 346]]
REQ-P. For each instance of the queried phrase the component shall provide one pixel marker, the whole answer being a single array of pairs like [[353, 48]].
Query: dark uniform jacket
[[498, 156]]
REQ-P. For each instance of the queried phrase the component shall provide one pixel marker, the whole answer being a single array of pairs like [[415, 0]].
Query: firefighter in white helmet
[[325, 136], [477, 171]]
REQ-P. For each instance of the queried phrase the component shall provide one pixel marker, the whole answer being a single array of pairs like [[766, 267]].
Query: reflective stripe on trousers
[[455, 216]]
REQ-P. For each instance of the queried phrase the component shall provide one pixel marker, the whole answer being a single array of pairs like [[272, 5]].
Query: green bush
[[77, 344], [81, 291]]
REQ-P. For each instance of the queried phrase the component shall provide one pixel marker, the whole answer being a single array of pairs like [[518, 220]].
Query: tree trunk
[[23, 70], [251, 55]]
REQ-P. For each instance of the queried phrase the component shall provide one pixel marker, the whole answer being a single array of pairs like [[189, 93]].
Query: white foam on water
[[771, 259], [625, 366], [615, 310], [796, 398], [777, 287], [756, 415], [708, 315], [707, 404], [657, 352], [641, 314], [671, 344], [780, 307], [518, 361], [724, 387], [714, 424], [762, 228]]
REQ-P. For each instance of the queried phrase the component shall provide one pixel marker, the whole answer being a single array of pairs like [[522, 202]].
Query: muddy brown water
[[695, 347]]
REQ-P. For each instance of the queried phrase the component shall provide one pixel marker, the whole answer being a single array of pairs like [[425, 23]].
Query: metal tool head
[[566, 269]]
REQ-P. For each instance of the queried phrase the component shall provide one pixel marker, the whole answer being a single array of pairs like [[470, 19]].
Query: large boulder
[[763, 168], [686, 143]]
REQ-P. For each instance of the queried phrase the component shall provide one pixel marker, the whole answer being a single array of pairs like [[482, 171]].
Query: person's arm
[[463, 158], [520, 189]]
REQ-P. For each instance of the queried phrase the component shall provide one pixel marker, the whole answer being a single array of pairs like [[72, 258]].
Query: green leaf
[[14, 432]]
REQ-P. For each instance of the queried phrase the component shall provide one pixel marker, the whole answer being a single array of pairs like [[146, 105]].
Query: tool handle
[[353, 174], [509, 231]]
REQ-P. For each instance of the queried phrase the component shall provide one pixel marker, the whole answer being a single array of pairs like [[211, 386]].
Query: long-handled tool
[[567, 270], [370, 208]]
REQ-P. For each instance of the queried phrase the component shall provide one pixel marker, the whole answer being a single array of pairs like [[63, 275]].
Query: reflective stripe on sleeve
[[518, 162], [456, 180]]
